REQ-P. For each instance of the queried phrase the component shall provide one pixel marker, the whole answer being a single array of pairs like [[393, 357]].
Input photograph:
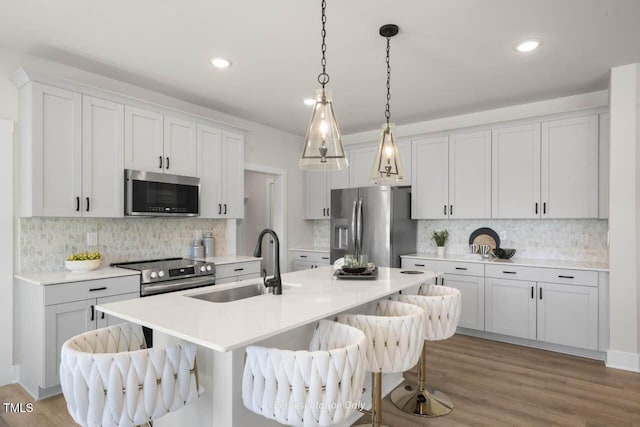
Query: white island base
[[223, 330]]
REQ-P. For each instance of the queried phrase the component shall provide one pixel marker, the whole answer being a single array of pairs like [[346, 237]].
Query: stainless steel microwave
[[157, 194]]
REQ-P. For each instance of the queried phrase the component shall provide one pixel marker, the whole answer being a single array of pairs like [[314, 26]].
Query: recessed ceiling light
[[220, 62], [528, 45], [309, 101]]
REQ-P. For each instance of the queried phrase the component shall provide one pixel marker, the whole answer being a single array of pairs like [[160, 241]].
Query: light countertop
[[64, 276], [310, 249], [56, 277], [544, 263], [308, 296]]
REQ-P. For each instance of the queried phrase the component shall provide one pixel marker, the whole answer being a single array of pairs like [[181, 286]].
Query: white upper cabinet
[[180, 151], [430, 178], [143, 140], [315, 195], [221, 172], [451, 176], [569, 177], [72, 152], [470, 175], [360, 164], [516, 172], [102, 158]]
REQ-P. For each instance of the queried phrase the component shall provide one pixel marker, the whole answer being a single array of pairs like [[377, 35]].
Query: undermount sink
[[232, 294]]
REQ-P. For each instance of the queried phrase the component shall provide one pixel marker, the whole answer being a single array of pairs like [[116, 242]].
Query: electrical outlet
[[503, 235], [92, 239]]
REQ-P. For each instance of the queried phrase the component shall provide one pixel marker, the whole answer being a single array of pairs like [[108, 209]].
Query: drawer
[[77, 291], [317, 257], [237, 269], [549, 275], [448, 267]]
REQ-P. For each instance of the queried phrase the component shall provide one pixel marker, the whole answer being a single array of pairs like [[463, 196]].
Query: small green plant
[[440, 237]]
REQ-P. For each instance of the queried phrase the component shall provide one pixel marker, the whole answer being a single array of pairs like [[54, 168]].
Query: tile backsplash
[[45, 242], [561, 239]]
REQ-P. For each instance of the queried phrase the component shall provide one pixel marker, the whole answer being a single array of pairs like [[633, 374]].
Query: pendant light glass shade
[[323, 148], [387, 166]]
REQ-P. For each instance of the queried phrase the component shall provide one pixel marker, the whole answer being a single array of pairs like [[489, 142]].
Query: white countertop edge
[[228, 259], [65, 276], [540, 263], [310, 249], [276, 331]]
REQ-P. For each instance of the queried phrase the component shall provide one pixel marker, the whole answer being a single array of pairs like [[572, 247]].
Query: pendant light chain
[[387, 112], [323, 78]]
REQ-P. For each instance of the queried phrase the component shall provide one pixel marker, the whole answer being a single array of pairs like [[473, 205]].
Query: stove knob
[[203, 269], [153, 275], [160, 273], [209, 268]]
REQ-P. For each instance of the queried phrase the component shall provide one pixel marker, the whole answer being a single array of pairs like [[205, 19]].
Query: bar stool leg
[[421, 400], [376, 401]]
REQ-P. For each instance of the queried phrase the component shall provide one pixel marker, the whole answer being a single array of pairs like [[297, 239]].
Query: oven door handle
[[175, 285]]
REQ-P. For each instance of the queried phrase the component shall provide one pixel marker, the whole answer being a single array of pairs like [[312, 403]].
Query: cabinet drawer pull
[[102, 316], [536, 208], [532, 297], [324, 211], [77, 204], [445, 210], [442, 281], [461, 268], [509, 272], [225, 208], [325, 257], [93, 313], [160, 166], [239, 269], [419, 265], [566, 277], [540, 293], [303, 256], [219, 208], [104, 288], [544, 208], [450, 209], [328, 211], [167, 163], [88, 205]]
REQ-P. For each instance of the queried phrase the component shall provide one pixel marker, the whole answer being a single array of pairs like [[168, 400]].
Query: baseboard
[[623, 360]]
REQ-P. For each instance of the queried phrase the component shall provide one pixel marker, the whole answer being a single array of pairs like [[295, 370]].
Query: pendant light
[[323, 148], [387, 166]]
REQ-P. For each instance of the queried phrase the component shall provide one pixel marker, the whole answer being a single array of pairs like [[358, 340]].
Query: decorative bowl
[[353, 270], [84, 265]]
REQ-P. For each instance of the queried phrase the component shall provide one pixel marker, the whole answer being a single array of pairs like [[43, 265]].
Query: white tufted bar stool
[[110, 378], [395, 338], [441, 305], [319, 387]]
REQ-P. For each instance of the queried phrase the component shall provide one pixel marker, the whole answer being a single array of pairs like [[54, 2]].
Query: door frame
[[8, 372], [279, 204]]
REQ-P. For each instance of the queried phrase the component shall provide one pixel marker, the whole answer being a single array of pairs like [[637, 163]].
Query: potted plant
[[441, 239]]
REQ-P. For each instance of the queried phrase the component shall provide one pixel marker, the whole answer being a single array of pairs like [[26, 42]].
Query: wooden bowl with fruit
[[83, 261]]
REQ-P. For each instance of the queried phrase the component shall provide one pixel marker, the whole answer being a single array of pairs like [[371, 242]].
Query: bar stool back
[[110, 378], [395, 338]]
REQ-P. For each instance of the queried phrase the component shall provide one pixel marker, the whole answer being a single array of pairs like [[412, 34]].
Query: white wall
[[6, 251], [263, 145], [624, 219], [255, 214]]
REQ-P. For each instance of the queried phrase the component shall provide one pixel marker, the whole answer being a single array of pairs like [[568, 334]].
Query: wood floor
[[491, 383]]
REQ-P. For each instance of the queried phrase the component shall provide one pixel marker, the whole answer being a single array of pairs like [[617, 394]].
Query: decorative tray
[[371, 273]]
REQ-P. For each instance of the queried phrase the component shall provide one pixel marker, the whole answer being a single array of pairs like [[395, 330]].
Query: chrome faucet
[[275, 282]]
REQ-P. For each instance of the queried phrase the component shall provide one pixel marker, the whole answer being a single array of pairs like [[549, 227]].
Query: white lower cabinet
[[306, 260], [237, 271], [50, 315], [472, 290], [548, 305]]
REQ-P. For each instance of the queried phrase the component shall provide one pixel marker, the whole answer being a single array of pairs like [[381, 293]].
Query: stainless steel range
[[172, 274]]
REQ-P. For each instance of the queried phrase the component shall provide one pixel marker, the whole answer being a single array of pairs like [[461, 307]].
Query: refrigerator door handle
[[359, 226], [353, 226]]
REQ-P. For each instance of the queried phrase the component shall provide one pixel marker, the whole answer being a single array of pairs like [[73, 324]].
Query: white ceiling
[[451, 56]]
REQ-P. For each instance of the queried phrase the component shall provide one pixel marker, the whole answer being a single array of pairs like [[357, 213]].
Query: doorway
[[264, 207]]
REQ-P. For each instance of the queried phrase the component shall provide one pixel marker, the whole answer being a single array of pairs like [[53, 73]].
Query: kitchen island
[[223, 330]]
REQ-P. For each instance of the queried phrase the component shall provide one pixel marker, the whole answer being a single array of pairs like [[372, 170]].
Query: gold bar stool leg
[[376, 400], [422, 400]]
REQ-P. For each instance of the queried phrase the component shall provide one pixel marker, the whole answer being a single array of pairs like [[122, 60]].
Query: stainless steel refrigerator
[[375, 221]]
